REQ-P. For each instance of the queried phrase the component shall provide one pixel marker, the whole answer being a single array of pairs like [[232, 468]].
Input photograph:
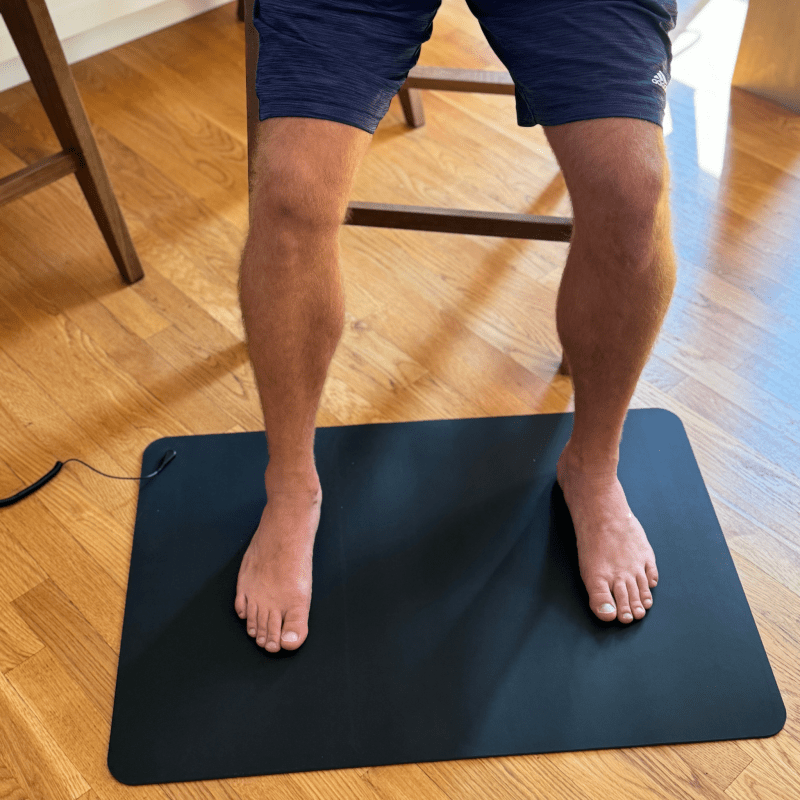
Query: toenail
[[627, 616], [291, 636], [606, 608], [252, 631], [272, 646], [261, 640]]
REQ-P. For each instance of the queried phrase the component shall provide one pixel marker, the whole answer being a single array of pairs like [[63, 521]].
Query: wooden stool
[[31, 28]]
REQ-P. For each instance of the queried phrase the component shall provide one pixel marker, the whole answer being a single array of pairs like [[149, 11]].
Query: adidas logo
[[660, 80]]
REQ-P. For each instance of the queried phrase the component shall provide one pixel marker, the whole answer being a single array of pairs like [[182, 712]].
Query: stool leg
[[411, 101], [31, 28], [251, 45]]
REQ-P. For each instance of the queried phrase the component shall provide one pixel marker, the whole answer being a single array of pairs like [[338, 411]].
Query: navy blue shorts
[[344, 60]]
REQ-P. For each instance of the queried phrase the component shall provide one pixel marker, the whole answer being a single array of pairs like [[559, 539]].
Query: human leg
[[595, 75], [326, 74], [292, 304], [615, 291]]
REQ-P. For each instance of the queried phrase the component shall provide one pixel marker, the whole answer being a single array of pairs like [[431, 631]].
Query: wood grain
[[30, 752], [438, 326]]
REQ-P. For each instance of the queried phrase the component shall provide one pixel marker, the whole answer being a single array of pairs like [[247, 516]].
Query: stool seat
[[31, 28]]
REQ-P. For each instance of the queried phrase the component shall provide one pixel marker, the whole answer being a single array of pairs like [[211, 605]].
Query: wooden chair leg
[[251, 44], [31, 28], [411, 101]]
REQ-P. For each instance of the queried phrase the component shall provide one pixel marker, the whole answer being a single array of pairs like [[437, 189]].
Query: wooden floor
[[438, 326]]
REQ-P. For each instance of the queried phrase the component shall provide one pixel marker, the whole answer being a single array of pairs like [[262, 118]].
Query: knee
[[628, 219], [296, 201]]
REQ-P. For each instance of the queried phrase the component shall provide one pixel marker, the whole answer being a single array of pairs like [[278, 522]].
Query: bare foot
[[617, 564], [274, 587]]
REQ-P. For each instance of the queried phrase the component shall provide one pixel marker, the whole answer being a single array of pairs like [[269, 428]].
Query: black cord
[[9, 501]]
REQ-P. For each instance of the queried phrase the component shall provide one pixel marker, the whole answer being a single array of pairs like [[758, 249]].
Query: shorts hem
[[352, 120], [646, 114]]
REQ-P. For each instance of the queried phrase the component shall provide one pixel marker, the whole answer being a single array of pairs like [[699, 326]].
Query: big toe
[[295, 628], [240, 605], [602, 603]]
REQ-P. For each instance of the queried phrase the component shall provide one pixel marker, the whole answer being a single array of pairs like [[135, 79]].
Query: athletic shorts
[[570, 60]]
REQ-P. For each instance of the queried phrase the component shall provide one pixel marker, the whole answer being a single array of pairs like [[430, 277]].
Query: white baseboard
[[88, 27]]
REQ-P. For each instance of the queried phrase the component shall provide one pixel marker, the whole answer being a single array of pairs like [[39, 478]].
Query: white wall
[[88, 27]]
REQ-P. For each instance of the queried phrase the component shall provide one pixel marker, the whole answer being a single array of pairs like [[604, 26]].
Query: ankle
[[295, 478], [600, 462]]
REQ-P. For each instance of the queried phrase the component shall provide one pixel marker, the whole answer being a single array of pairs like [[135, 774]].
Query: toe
[[652, 574], [624, 613], [601, 601], [240, 605], [261, 635], [634, 599], [252, 618], [274, 630], [644, 591], [296, 623]]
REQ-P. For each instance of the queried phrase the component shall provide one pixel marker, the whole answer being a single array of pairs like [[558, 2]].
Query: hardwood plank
[[79, 729], [39, 432], [96, 510], [83, 654], [776, 380], [662, 375], [10, 788], [747, 481], [17, 640], [134, 314], [762, 191], [761, 780], [753, 539], [223, 376], [280, 787], [104, 396], [726, 337], [201, 790], [778, 316], [403, 781], [30, 752], [18, 571], [302, 786], [721, 762], [749, 397], [98, 597], [755, 430], [118, 349]]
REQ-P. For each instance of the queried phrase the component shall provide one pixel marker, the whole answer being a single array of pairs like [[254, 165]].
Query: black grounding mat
[[448, 616]]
